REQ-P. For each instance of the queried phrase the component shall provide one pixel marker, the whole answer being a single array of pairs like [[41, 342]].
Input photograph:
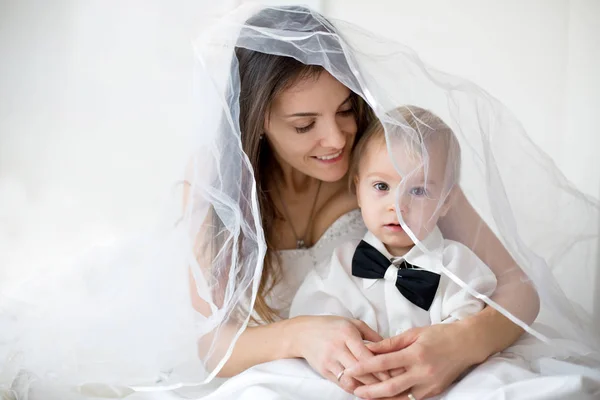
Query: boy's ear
[[448, 201], [356, 183]]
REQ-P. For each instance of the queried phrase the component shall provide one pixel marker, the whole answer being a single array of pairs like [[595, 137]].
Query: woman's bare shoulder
[[340, 202]]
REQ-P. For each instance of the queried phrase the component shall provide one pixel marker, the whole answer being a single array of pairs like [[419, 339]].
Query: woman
[[284, 96], [297, 125]]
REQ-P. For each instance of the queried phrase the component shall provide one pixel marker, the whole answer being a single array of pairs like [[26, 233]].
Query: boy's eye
[[418, 191], [381, 186]]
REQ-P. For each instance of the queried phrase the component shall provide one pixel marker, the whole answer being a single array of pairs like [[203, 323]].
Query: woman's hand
[[332, 344], [422, 361]]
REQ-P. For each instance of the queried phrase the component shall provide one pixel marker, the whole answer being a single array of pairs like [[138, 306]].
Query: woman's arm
[[327, 343], [514, 293], [260, 344], [425, 361]]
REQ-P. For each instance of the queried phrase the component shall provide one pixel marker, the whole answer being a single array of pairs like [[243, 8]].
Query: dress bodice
[[295, 263]]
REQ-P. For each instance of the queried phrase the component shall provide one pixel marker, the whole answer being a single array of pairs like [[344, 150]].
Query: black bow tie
[[417, 285]]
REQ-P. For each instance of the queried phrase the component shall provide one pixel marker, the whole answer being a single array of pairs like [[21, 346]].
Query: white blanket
[[526, 371], [504, 376]]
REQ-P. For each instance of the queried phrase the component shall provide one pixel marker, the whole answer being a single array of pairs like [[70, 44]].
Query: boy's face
[[421, 197]]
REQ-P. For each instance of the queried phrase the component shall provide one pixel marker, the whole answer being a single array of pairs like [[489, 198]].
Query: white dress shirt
[[331, 289]]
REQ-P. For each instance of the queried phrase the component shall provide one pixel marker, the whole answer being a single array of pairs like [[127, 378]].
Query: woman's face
[[311, 127]]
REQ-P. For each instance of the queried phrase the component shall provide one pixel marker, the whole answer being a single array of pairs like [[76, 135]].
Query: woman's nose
[[333, 136]]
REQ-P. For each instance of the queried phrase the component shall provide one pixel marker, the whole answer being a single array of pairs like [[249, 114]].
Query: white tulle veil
[[144, 331]]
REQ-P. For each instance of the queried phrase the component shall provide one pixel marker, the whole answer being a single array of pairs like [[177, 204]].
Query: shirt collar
[[433, 243]]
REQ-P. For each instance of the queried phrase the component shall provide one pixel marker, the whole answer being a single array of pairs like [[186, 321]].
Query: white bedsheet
[[526, 371], [529, 370]]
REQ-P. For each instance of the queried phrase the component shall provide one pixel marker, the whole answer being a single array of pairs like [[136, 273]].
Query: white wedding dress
[[296, 263], [524, 371]]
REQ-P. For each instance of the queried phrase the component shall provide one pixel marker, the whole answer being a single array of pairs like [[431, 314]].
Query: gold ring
[[411, 396], [339, 376]]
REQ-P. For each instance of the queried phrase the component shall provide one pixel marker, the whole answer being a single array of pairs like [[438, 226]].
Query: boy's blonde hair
[[426, 127]]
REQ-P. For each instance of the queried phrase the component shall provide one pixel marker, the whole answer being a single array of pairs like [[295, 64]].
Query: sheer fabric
[[127, 319]]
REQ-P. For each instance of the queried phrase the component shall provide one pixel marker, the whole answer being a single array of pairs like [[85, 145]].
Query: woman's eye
[[304, 129], [418, 191], [347, 112], [381, 186]]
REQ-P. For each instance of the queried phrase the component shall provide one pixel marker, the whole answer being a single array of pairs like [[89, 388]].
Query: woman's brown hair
[[262, 77]]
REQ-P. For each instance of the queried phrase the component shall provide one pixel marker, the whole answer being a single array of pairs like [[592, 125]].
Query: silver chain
[[300, 242]]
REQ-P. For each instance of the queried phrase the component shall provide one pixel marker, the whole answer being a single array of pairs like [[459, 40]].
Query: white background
[[89, 88]]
